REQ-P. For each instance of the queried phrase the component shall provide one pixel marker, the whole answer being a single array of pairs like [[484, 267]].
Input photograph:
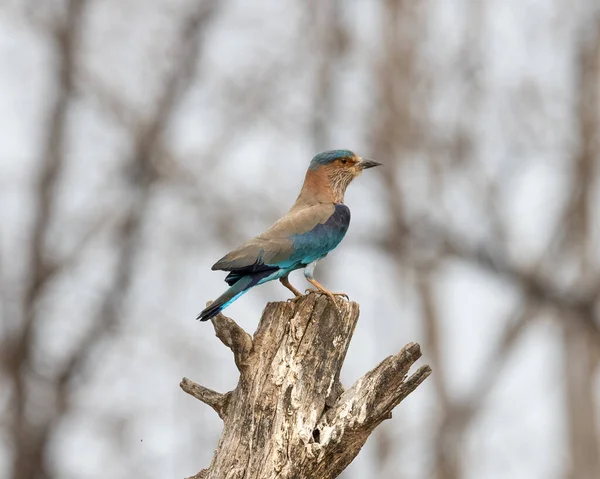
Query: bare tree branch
[[582, 352], [29, 447], [212, 398], [234, 337], [371, 399]]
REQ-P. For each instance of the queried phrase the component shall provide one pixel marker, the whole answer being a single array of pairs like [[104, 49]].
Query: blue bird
[[315, 225]]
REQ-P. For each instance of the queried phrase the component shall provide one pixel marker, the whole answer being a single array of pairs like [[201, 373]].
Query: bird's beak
[[365, 163]]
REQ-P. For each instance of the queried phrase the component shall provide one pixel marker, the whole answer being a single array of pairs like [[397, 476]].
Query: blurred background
[[141, 140]]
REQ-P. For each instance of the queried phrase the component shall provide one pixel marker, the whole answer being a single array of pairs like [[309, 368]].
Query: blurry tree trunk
[[581, 350], [30, 437], [289, 416]]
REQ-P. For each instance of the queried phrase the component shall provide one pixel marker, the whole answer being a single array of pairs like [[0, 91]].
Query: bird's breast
[[323, 237], [340, 217]]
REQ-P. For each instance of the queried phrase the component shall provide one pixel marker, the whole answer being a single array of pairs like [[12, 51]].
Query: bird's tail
[[228, 297]]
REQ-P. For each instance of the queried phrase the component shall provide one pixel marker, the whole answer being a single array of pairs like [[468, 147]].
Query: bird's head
[[339, 167]]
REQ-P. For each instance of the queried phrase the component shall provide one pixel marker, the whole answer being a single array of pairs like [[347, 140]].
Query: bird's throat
[[321, 186]]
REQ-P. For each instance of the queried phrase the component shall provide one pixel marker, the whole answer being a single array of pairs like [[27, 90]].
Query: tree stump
[[289, 416]]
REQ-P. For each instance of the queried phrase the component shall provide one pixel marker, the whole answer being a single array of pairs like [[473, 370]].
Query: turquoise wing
[[297, 239]]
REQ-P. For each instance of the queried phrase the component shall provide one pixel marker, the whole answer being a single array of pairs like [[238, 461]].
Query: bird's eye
[[344, 161]]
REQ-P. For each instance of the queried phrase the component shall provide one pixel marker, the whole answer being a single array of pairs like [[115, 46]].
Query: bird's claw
[[331, 295]]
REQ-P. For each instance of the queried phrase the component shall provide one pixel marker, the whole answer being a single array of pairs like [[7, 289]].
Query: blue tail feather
[[228, 297], [242, 285]]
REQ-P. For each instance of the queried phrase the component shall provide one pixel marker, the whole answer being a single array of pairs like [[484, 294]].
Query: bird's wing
[[299, 237]]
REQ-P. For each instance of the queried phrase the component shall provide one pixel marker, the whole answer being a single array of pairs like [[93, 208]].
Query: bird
[[316, 224]]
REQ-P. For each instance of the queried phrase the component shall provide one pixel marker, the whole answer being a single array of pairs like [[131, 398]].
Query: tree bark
[[289, 416]]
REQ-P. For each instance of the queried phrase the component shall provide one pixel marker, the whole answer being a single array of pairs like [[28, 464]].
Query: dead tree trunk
[[289, 416]]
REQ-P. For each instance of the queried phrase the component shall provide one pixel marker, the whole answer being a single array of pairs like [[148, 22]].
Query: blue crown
[[328, 156]]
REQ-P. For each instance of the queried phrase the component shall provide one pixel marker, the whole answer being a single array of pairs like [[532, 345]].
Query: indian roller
[[315, 225]]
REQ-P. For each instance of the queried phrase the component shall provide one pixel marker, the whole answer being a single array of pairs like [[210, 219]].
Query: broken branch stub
[[289, 416]]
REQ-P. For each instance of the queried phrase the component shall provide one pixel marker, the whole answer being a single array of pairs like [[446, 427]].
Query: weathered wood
[[289, 416], [234, 337], [212, 398]]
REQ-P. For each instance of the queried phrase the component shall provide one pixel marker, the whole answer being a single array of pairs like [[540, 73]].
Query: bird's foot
[[328, 293]]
